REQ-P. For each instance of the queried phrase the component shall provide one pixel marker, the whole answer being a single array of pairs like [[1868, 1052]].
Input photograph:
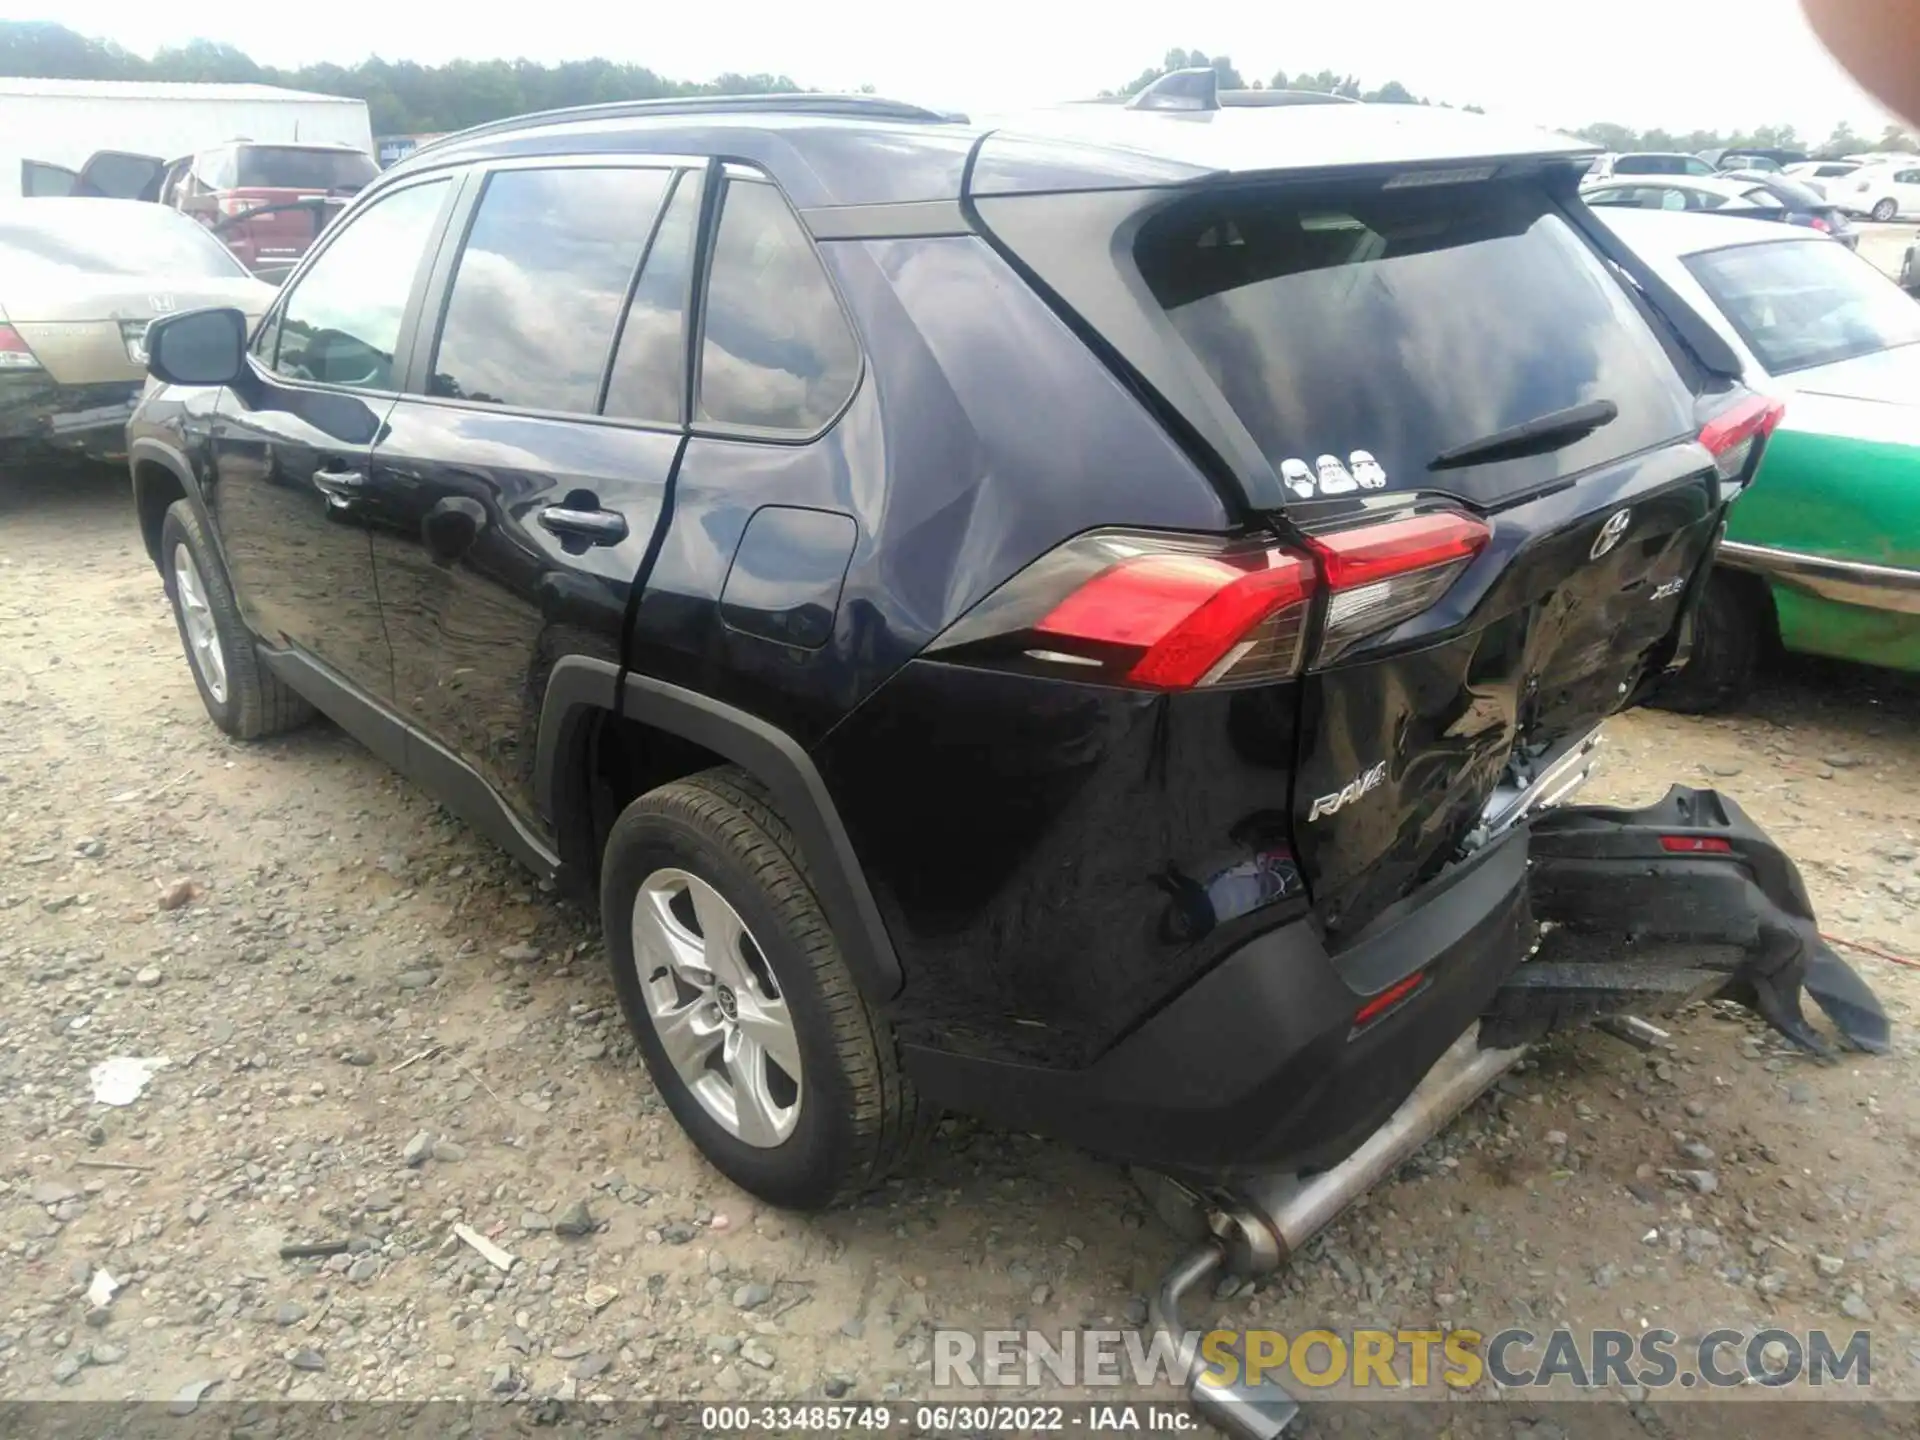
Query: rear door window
[[776, 353], [1360, 334], [650, 364], [531, 314]]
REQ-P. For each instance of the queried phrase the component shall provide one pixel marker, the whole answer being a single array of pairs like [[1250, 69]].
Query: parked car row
[[1752, 195], [266, 202]]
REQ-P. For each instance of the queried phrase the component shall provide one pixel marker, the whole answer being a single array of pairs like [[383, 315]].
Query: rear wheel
[[1885, 210], [1730, 633], [242, 696], [747, 1017]]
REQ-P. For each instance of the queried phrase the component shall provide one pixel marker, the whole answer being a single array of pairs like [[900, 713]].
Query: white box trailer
[[64, 123]]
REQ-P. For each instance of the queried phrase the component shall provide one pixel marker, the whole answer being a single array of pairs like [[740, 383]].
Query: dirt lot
[[376, 1027]]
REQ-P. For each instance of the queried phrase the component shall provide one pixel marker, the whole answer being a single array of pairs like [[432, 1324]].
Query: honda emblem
[[1610, 533], [162, 304]]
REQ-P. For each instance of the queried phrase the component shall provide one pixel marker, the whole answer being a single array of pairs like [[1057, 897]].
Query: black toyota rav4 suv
[[1077, 622]]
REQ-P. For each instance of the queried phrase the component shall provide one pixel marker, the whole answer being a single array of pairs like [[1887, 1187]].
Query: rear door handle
[[596, 527]]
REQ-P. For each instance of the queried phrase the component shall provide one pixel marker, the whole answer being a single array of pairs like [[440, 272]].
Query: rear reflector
[[1379, 1004], [1695, 845], [14, 354], [1381, 574], [1734, 432]]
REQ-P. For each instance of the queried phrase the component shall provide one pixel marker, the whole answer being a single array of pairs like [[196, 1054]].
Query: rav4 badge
[[1347, 793]]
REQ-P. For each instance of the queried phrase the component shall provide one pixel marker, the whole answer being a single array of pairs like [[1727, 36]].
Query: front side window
[[1801, 303], [775, 352], [531, 314], [340, 325]]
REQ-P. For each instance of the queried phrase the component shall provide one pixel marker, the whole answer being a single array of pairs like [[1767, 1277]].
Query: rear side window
[[776, 352], [287, 167], [1361, 335], [540, 285]]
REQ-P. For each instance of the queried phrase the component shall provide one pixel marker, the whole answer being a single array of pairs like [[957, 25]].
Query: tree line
[[404, 98]]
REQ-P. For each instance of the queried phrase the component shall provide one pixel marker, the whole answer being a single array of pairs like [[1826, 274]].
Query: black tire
[[1730, 634], [859, 1116], [1885, 210], [256, 703]]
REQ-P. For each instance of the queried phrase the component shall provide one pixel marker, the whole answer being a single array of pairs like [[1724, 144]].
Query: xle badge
[[1348, 793]]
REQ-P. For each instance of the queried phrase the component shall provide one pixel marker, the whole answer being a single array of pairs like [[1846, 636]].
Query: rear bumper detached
[[1635, 910], [1287, 1058]]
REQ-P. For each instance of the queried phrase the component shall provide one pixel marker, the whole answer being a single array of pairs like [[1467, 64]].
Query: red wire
[[1870, 950]]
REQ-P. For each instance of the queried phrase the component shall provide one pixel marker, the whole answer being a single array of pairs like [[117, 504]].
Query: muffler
[[1264, 1220]]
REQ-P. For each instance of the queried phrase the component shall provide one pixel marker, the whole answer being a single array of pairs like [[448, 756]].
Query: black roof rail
[[851, 107]]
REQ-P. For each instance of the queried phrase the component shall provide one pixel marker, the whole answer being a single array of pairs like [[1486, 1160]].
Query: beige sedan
[[79, 280]]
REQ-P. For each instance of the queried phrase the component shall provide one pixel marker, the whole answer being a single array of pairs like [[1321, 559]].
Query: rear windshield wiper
[[1552, 431]]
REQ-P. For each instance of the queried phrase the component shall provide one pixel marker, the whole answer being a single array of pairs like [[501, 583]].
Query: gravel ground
[[374, 1027]]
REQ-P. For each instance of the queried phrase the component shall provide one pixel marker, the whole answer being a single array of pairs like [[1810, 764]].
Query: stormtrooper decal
[[1334, 479], [1297, 477], [1329, 477]]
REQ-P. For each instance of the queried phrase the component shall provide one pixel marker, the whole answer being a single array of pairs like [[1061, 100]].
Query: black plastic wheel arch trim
[[580, 685]]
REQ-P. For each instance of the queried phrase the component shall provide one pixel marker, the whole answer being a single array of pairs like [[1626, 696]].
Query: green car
[[1822, 552]]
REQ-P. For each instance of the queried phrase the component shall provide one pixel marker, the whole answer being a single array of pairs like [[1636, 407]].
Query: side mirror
[[201, 347]]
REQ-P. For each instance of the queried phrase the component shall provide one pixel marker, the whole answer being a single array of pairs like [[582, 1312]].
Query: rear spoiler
[[1705, 343]]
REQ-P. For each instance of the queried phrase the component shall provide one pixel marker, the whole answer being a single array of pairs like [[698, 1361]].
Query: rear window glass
[[1377, 330], [1801, 303], [276, 167], [1652, 165]]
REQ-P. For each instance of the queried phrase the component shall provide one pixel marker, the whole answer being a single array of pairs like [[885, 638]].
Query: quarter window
[[531, 315], [341, 323], [650, 367], [775, 353]]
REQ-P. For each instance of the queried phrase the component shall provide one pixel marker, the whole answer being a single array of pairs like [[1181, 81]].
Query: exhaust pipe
[[1268, 1219]]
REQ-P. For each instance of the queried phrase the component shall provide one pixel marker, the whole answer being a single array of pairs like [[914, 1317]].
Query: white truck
[[55, 134]]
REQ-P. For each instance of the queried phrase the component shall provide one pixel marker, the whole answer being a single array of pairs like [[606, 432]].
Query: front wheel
[[749, 1021], [1885, 210], [241, 695]]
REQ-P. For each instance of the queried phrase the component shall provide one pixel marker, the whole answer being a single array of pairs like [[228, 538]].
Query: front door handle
[[596, 527], [341, 487]]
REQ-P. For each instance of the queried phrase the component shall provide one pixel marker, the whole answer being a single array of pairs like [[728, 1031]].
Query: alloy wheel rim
[[716, 1008], [196, 618]]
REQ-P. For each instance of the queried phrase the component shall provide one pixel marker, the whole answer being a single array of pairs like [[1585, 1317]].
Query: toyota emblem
[[1610, 533]]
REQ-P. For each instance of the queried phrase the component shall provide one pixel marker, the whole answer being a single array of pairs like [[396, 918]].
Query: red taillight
[[1168, 612], [1192, 616], [1388, 998], [1817, 223], [1379, 575], [1732, 434], [1695, 845], [14, 353]]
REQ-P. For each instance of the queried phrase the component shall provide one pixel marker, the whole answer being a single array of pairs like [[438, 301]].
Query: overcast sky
[[1681, 64]]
